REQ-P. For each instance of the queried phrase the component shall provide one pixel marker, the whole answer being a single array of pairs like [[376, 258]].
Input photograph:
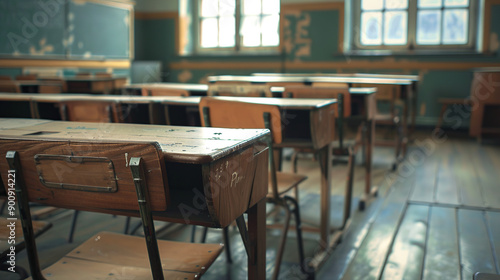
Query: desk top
[[487, 69], [303, 103], [414, 78], [188, 87], [285, 103], [195, 145], [85, 78], [312, 79]]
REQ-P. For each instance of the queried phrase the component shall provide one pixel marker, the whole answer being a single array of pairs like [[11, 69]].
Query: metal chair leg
[[300, 242], [204, 236], [281, 249], [193, 233], [227, 248], [349, 187], [127, 225], [73, 226]]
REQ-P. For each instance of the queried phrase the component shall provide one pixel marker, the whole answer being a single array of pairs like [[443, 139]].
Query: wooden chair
[[154, 91], [343, 111], [83, 75], [89, 111], [249, 90], [103, 74], [30, 77], [92, 176], [233, 114], [9, 86], [62, 87], [390, 94]]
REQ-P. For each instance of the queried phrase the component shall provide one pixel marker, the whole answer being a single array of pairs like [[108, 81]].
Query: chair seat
[[286, 181], [111, 254]]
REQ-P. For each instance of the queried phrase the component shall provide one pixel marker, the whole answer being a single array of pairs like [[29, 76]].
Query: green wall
[[318, 42]]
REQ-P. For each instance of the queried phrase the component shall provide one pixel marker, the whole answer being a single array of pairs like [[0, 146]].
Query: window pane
[[209, 8], [227, 7], [396, 4], [209, 33], [226, 31], [251, 7], [371, 27], [429, 3], [455, 26], [396, 25], [456, 3], [372, 4], [270, 34], [250, 31], [429, 27], [270, 7]]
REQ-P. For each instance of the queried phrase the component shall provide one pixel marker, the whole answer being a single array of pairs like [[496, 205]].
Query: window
[[420, 24], [235, 25]]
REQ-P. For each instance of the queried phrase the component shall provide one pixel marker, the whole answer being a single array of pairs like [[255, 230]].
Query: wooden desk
[[29, 86], [407, 83], [194, 89], [93, 85], [485, 102], [203, 166], [306, 123]]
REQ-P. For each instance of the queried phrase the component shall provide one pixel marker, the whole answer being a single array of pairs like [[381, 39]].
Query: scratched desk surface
[[182, 144]]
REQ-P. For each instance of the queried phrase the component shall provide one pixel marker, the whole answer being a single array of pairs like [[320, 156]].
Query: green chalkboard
[[65, 29], [97, 30], [32, 27]]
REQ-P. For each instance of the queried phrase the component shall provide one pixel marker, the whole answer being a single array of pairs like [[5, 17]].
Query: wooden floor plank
[[425, 185], [470, 193], [487, 168], [442, 257], [446, 191], [475, 248], [407, 253], [369, 260], [493, 220]]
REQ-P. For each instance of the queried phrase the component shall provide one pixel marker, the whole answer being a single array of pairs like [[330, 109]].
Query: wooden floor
[[437, 217]]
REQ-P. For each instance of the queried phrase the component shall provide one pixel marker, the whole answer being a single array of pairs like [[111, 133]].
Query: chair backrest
[[89, 111], [84, 74], [321, 92], [104, 74], [9, 86], [153, 91], [58, 80], [249, 90], [236, 114], [90, 176], [5, 78], [30, 77]]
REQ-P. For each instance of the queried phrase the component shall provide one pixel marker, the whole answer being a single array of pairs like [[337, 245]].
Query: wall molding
[[21, 63], [359, 64]]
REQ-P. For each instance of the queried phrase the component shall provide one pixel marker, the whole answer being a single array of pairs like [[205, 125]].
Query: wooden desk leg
[[414, 106], [257, 241], [325, 161], [369, 143]]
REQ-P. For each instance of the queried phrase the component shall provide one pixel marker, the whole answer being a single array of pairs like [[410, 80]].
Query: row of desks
[[94, 85], [198, 160], [302, 124]]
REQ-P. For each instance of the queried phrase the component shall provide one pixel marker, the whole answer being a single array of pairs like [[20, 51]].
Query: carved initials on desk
[[235, 179]]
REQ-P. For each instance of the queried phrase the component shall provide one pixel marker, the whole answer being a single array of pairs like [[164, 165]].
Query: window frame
[[238, 48], [411, 44]]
